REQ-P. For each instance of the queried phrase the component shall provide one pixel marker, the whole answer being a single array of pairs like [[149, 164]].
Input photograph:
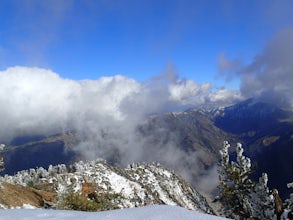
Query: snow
[[156, 186], [122, 185], [155, 212]]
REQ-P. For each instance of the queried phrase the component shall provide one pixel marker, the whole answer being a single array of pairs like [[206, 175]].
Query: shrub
[[92, 202]]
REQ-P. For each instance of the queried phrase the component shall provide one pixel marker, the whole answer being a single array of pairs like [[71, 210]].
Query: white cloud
[[185, 91], [225, 96], [33, 100], [104, 96], [39, 100]]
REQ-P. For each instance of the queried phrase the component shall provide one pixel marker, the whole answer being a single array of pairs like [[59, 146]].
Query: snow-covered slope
[[156, 212], [138, 185]]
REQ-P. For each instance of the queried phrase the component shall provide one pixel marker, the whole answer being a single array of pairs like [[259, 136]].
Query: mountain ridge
[[138, 185]]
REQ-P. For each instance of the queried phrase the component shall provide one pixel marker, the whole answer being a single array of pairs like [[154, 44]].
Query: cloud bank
[[105, 113], [35, 100]]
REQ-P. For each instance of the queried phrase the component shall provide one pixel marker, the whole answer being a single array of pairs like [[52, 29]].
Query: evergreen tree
[[2, 146], [240, 196], [290, 200]]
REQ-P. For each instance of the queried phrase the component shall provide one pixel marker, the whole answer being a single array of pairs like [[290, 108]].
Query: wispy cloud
[[228, 67], [270, 75], [35, 26]]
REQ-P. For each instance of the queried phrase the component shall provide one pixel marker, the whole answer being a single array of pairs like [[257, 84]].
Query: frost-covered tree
[[2, 146], [240, 196], [262, 200], [289, 201]]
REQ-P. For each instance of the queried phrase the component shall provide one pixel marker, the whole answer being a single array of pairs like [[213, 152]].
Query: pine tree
[[240, 196]]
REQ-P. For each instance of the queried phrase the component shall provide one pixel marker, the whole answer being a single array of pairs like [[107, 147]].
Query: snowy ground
[[156, 212]]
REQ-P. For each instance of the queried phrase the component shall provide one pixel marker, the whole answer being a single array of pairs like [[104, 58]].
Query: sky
[[101, 67], [88, 39]]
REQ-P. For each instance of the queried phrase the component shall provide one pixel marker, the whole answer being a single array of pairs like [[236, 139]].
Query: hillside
[[39, 151]]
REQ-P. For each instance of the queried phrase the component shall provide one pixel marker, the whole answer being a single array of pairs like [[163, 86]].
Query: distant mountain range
[[265, 131]]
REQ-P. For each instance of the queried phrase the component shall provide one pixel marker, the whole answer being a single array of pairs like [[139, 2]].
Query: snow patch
[[156, 212]]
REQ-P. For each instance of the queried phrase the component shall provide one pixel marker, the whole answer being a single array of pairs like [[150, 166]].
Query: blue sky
[[87, 39]]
